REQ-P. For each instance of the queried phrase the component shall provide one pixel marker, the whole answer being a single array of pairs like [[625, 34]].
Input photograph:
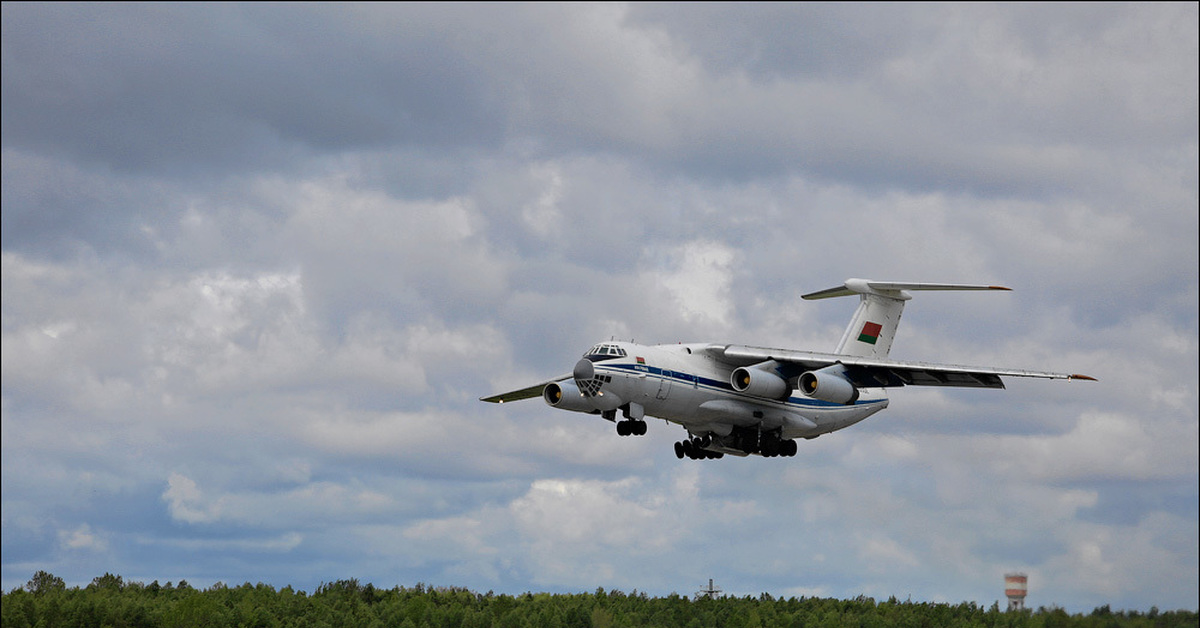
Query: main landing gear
[[695, 449], [778, 447], [750, 441], [768, 444], [630, 427]]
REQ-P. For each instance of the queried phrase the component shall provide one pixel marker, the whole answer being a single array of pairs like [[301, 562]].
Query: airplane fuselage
[[684, 384]]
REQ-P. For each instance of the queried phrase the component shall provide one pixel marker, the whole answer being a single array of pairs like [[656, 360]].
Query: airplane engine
[[761, 381], [829, 384], [565, 395]]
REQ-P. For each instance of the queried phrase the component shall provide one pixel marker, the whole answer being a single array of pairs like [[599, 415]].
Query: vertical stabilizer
[[873, 326]]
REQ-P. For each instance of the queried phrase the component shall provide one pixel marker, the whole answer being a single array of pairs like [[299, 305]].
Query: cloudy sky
[[260, 262]]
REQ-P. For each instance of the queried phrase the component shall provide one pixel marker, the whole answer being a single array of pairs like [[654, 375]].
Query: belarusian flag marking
[[870, 333]]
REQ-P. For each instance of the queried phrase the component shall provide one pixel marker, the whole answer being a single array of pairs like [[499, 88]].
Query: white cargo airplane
[[744, 400]]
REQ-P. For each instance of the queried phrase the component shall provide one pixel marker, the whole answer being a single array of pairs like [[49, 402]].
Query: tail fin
[[873, 327]]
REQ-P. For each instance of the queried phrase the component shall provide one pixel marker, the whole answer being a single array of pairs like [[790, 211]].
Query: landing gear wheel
[[631, 428]]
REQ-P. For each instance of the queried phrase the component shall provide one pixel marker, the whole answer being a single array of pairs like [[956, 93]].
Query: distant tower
[[1015, 587], [711, 592]]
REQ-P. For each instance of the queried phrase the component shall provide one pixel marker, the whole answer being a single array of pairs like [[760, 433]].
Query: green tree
[[107, 582], [44, 582], [18, 610]]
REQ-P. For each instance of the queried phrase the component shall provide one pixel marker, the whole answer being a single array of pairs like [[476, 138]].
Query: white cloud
[[543, 215], [1112, 560], [187, 503], [698, 276], [882, 555], [275, 545], [81, 538], [1099, 446]]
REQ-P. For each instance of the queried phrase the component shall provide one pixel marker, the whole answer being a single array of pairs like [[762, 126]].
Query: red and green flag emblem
[[870, 333], [641, 360]]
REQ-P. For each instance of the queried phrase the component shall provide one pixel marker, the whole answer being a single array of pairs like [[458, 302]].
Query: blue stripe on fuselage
[[723, 386]]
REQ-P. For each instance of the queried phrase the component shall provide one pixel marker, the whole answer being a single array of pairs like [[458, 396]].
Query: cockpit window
[[605, 352]]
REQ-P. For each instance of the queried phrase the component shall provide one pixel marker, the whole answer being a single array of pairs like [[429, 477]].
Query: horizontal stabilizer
[[889, 288], [873, 326]]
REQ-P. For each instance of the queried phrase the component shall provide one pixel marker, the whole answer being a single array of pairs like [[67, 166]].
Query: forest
[[109, 601]]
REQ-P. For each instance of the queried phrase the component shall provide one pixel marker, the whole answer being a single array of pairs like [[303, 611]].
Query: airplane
[[744, 400]]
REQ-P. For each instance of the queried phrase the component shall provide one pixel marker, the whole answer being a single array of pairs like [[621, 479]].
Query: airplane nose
[[584, 370]]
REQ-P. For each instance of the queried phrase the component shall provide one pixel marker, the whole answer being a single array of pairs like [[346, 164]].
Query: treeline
[[109, 601]]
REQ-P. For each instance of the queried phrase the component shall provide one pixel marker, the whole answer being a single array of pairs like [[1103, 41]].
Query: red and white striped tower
[[1015, 587]]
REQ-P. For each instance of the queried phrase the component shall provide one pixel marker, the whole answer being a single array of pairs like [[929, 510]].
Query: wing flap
[[866, 372]]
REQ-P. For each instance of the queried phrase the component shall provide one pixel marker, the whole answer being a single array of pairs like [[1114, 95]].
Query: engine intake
[[760, 380], [565, 395], [829, 384]]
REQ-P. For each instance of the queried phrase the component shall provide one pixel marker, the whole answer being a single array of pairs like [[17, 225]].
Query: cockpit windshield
[[604, 351]]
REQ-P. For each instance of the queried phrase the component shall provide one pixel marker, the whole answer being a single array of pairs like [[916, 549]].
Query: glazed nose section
[[585, 378], [584, 370]]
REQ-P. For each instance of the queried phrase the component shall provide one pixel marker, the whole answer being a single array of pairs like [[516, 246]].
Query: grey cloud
[[770, 41], [165, 89], [279, 252], [263, 81]]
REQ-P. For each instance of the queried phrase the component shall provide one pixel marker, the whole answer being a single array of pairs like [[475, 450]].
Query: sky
[[260, 262]]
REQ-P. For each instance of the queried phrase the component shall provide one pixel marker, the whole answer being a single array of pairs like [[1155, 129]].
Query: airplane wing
[[867, 372], [524, 393]]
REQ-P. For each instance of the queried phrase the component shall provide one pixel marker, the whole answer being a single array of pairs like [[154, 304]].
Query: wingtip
[[999, 288], [1084, 377]]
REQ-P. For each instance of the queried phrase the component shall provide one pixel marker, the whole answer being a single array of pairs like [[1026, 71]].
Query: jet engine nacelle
[[829, 384], [760, 380], [565, 395]]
